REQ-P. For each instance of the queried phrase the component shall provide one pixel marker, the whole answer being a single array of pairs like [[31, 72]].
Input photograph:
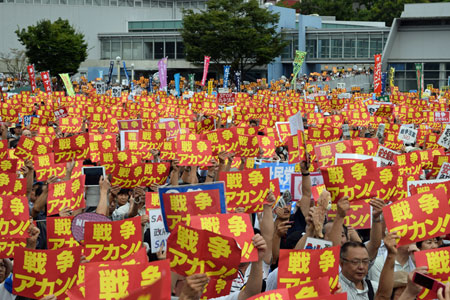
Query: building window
[[106, 49], [324, 47], [159, 49], [126, 49], [137, 49], [376, 46], [170, 49], [115, 48], [362, 48], [336, 48], [311, 48], [148, 49], [146, 3], [180, 49]]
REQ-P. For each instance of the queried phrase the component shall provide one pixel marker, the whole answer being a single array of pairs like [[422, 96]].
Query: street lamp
[[118, 68], [132, 72]]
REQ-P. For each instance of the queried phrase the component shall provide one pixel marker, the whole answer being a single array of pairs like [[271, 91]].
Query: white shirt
[[352, 292]]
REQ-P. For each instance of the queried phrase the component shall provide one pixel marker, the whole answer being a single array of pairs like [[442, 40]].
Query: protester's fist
[[283, 227], [175, 166], [270, 199], [144, 220], [29, 164], [305, 165], [444, 295], [52, 179], [139, 192], [231, 156], [390, 241], [260, 244], [115, 190], [154, 187], [34, 232], [283, 213], [343, 206], [377, 207], [194, 286], [104, 184], [223, 155], [49, 297], [154, 152], [65, 212]]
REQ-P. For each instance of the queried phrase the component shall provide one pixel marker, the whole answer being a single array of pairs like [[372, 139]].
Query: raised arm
[[335, 234], [386, 283], [305, 201], [377, 230], [102, 207], [266, 226]]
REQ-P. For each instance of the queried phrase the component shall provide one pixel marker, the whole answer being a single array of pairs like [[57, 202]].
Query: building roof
[[426, 10]]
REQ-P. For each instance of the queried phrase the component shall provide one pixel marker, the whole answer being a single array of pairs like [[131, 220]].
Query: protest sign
[[152, 200], [192, 251], [68, 194], [8, 246], [437, 263], [311, 290], [194, 153], [158, 234], [14, 214], [325, 153], [247, 189], [407, 135], [278, 294], [192, 188], [442, 116], [297, 180], [235, 226], [387, 155], [313, 243], [39, 273], [444, 172], [172, 128], [117, 279], [423, 186], [444, 139], [59, 233], [359, 215], [142, 174], [282, 171], [353, 180], [301, 266], [112, 240], [11, 185], [71, 148], [27, 148], [419, 217]]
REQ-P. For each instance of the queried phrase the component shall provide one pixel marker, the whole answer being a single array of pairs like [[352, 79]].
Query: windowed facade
[[405, 76], [141, 48], [120, 3]]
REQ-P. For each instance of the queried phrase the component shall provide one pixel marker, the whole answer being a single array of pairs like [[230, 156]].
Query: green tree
[[233, 32], [56, 47]]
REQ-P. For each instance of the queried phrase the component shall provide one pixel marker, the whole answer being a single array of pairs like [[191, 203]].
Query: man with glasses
[[354, 263]]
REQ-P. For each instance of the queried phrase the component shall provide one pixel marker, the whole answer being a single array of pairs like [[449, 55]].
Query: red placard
[[355, 180], [409, 164], [236, 226], [278, 294], [426, 186], [116, 280], [317, 288], [8, 166], [140, 175], [45, 166], [60, 113], [225, 98], [427, 157], [296, 148], [66, 194], [75, 147], [194, 153], [129, 124], [169, 150], [96, 148], [247, 189], [326, 152], [112, 240], [437, 263], [216, 287], [172, 128], [14, 214], [192, 251], [301, 266], [419, 217], [152, 200], [179, 207], [10, 185], [283, 129], [358, 217], [366, 146], [323, 134], [3, 149], [59, 233], [27, 148], [248, 146], [8, 246], [267, 144], [151, 139], [39, 273], [157, 290]]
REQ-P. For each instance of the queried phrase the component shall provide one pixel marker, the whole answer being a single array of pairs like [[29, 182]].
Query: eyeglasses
[[357, 262]]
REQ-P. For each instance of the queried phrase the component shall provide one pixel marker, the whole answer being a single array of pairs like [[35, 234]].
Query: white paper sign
[[444, 139], [313, 243], [373, 109], [444, 172], [407, 135], [418, 183], [116, 91], [158, 234], [386, 155], [338, 157], [296, 123], [346, 130], [380, 131], [100, 88]]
